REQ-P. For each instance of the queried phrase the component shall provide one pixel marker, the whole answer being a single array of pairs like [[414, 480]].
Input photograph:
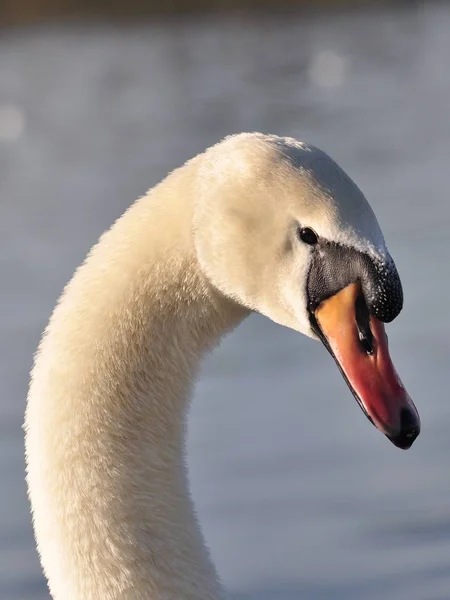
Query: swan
[[255, 223]]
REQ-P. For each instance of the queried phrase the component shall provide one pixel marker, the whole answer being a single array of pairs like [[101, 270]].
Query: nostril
[[363, 323]]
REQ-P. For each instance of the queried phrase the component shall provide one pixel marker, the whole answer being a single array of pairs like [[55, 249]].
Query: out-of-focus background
[[299, 496]]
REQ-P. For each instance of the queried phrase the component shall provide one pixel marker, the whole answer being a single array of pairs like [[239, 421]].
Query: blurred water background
[[299, 496]]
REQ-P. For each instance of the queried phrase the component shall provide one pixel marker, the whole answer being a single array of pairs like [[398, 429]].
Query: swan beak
[[358, 343]]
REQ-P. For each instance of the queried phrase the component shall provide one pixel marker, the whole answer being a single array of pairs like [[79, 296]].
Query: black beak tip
[[409, 430]]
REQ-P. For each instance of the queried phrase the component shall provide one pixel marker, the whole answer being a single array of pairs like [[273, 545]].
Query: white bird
[[256, 223]]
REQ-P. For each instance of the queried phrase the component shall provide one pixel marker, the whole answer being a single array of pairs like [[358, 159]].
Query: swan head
[[283, 230]]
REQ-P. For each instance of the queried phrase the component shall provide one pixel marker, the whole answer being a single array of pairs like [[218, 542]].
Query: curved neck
[[106, 416]]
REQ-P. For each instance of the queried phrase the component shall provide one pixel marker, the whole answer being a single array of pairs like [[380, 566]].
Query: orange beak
[[358, 343]]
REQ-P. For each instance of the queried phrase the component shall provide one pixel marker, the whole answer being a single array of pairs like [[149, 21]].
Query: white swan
[[256, 223]]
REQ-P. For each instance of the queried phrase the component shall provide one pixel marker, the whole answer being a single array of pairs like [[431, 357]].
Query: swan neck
[[106, 418]]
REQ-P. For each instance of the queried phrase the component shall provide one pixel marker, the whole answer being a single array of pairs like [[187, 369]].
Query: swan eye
[[308, 236]]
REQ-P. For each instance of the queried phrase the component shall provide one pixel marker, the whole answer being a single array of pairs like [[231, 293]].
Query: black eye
[[307, 235]]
